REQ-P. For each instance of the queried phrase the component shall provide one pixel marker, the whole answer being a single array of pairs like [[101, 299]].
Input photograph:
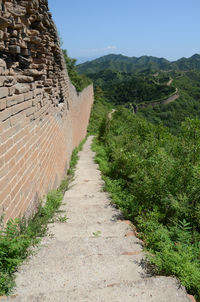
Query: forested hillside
[[134, 65], [146, 86], [188, 104], [122, 88], [124, 64]]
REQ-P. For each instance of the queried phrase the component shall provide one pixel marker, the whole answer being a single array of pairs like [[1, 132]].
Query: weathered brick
[[2, 161], [14, 49], [2, 80], [24, 79], [21, 88], [4, 171], [40, 111], [15, 190], [3, 183], [11, 153], [5, 114], [21, 134], [12, 162], [6, 146], [11, 90], [5, 204], [29, 111], [12, 175], [9, 132], [37, 91], [20, 154], [14, 209], [4, 192], [32, 152], [3, 92], [28, 95], [2, 63], [22, 106], [2, 104], [14, 99], [16, 119], [37, 100]]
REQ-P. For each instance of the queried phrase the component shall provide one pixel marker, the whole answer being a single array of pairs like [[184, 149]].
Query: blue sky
[[162, 28]]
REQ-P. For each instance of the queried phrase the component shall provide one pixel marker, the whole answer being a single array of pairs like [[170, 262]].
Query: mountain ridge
[[133, 64]]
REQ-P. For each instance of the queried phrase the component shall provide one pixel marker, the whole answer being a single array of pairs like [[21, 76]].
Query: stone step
[[157, 289]]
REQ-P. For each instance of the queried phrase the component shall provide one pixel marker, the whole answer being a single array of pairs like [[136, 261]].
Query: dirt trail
[[111, 113], [169, 82], [94, 256], [171, 98]]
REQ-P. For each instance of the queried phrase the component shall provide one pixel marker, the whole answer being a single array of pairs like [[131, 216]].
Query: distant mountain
[[140, 83], [124, 64], [81, 60], [135, 65], [189, 64]]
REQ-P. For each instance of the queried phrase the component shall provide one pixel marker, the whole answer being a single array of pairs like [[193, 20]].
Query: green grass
[[74, 158], [100, 111], [19, 235]]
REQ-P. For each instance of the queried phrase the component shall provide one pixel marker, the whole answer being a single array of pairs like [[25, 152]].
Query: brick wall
[[42, 118]]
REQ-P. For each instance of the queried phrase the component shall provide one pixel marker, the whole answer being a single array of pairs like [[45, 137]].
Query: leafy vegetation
[[79, 81], [153, 177], [74, 158], [189, 64], [148, 80], [137, 90], [188, 105], [99, 112], [122, 88], [19, 235], [151, 171]]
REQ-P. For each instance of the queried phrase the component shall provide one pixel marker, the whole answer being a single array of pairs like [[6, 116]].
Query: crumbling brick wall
[[42, 117]]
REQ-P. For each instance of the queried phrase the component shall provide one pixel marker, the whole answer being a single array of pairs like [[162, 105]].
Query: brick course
[[42, 117]]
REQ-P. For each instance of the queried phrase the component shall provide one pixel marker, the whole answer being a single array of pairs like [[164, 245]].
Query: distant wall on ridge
[[42, 117]]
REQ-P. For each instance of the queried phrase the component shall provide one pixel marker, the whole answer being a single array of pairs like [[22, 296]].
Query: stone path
[[93, 257]]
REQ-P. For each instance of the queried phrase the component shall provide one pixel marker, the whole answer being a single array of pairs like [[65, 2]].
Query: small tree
[[79, 81]]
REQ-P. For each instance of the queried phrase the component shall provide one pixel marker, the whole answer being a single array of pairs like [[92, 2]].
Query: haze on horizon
[[90, 29]]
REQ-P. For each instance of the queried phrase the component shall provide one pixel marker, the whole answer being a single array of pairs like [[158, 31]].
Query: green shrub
[[19, 235], [79, 81], [153, 178]]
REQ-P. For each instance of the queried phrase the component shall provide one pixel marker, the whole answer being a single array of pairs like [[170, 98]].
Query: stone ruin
[[42, 117], [29, 50]]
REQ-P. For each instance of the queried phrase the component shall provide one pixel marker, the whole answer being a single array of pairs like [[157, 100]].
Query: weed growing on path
[[20, 234], [74, 159], [97, 234], [62, 219]]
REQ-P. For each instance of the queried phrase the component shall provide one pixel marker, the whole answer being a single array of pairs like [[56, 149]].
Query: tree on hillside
[[79, 81]]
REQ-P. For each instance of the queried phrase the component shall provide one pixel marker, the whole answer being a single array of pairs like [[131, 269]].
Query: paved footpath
[[94, 256]]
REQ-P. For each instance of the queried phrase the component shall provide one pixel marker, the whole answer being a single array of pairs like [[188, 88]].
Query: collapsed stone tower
[[42, 117]]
